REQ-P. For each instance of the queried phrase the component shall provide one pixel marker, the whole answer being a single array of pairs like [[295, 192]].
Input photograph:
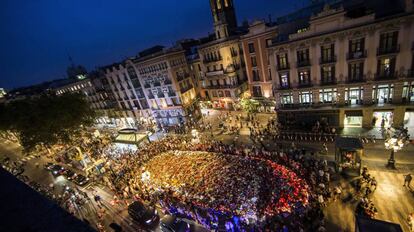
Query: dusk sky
[[38, 35]]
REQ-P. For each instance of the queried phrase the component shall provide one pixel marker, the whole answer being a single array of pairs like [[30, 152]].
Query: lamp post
[[394, 144]]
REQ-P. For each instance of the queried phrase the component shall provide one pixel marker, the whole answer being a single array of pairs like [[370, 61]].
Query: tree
[[47, 119], [249, 105]]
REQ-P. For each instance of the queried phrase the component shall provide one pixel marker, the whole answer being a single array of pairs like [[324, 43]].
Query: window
[[356, 45], [254, 62], [388, 41], [284, 80], [257, 91], [305, 97], [354, 96], [408, 92], [327, 95], [220, 93], [214, 93], [270, 75], [327, 53], [386, 67], [356, 71], [304, 77], [256, 76], [328, 74], [251, 48], [286, 98], [282, 61], [382, 93], [303, 57], [227, 93], [269, 42]]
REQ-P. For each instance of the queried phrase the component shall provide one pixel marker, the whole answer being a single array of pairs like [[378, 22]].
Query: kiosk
[[348, 152]]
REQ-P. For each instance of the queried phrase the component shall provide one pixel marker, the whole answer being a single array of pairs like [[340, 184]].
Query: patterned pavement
[[393, 201]]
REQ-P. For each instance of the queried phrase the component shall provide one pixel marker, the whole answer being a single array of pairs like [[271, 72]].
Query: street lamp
[[394, 144]]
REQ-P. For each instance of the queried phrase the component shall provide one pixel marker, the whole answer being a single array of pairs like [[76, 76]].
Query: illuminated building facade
[[351, 67]]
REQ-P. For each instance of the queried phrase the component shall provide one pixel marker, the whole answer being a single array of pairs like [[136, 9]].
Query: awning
[[353, 113]]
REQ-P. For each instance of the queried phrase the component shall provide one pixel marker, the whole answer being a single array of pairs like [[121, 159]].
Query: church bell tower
[[224, 17]]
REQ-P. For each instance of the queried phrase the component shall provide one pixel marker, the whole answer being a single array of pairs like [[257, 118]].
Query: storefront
[[353, 118], [348, 152], [382, 118]]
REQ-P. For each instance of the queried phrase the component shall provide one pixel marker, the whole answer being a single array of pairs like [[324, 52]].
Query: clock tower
[[224, 17]]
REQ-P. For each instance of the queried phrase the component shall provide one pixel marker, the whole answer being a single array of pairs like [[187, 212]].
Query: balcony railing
[[212, 60], [327, 60], [356, 79], [328, 81], [388, 50], [356, 55], [214, 73], [283, 67], [303, 63], [386, 76], [223, 86], [305, 85], [282, 87]]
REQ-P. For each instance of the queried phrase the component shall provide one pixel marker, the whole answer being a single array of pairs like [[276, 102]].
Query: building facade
[[168, 85], [223, 78], [349, 67], [258, 70]]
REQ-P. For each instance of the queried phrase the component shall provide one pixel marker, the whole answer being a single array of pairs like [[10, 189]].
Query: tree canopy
[[47, 119]]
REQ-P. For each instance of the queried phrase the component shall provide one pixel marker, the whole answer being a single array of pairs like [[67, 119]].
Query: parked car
[[80, 180], [142, 213], [57, 170], [69, 174], [170, 223]]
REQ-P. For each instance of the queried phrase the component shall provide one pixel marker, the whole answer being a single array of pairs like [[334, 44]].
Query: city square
[[303, 122]]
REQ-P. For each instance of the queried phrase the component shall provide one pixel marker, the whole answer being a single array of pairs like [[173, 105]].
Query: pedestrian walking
[[373, 183], [410, 221], [407, 180]]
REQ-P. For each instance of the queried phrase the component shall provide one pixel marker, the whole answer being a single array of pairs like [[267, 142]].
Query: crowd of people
[[128, 176]]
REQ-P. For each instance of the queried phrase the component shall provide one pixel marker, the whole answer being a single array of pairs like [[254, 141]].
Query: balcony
[[356, 55], [328, 81], [151, 96], [147, 85], [156, 84], [305, 85], [303, 63], [215, 73], [388, 50], [385, 76], [283, 67], [167, 82], [212, 60], [223, 86], [160, 95], [282, 87], [327, 60], [355, 79]]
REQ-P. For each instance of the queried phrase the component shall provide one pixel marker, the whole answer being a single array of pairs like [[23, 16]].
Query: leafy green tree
[[249, 105], [46, 120]]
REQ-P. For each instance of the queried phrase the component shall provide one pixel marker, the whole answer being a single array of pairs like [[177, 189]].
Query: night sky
[[37, 36]]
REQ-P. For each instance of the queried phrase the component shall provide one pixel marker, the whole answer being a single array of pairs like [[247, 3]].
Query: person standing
[[407, 180]]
